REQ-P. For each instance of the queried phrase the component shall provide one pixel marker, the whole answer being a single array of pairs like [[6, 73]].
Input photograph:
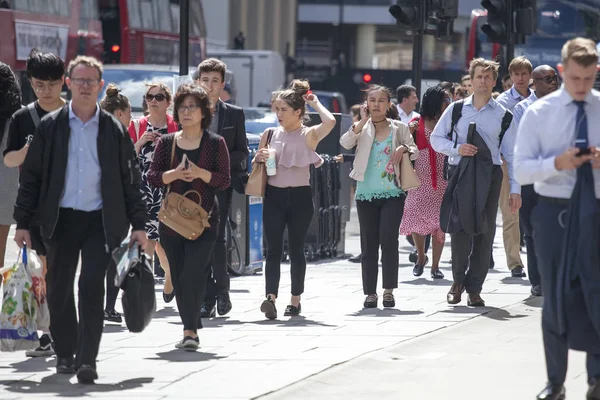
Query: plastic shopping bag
[[18, 330], [36, 269], [139, 298]]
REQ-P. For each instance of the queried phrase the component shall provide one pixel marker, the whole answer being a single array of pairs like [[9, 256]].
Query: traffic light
[[525, 19], [367, 78], [498, 27], [440, 23], [409, 14]]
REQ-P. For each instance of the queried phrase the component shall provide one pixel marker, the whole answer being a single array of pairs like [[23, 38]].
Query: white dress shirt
[[547, 130], [488, 122], [406, 118]]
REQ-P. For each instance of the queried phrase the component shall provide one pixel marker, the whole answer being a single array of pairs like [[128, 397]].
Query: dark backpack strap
[[456, 114], [34, 115], [506, 121]]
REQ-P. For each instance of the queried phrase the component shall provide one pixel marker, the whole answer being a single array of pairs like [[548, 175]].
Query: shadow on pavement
[[114, 328], [178, 355], [500, 314], [509, 280], [386, 312], [432, 282], [38, 364], [166, 313], [60, 385], [534, 301]]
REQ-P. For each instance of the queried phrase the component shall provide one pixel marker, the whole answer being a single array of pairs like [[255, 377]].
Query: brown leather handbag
[[182, 214], [257, 181]]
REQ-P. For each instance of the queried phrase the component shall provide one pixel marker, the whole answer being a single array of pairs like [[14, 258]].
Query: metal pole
[[417, 62], [184, 37], [510, 43]]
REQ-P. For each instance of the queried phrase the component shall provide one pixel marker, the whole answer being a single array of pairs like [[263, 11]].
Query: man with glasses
[[45, 72], [546, 82], [81, 178]]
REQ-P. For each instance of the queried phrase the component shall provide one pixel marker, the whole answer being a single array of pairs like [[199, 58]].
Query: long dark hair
[[433, 99], [10, 101]]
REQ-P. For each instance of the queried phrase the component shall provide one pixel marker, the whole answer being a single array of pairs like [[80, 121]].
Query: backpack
[[456, 114]]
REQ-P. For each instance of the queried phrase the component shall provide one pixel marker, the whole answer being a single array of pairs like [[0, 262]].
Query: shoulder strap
[[456, 114], [506, 121], [173, 150], [34, 115]]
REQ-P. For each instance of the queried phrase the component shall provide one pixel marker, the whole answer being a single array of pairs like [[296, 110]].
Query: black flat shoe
[[370, 301], [168, 297], [418, 269], [208, 311], [292, 311], [388, 300], [268, 307], [223, 303], [436, 274], [86, 374], [552, 392], [518, 272], [65, 365]]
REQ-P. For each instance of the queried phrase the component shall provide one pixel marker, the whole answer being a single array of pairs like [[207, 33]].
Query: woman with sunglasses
[[145, 133]]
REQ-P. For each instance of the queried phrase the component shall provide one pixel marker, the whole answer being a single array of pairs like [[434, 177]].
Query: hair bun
[[300, 86], [112, 90]]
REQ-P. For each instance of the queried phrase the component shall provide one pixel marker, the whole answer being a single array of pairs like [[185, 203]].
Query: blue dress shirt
[[548, 129], [511, 98], [82, 180], [520, 108], [488, 121]]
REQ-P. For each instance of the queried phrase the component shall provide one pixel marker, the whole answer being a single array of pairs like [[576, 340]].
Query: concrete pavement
[[423, 344]]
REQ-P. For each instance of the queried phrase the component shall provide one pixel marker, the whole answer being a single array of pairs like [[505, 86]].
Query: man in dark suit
[[229, 122]]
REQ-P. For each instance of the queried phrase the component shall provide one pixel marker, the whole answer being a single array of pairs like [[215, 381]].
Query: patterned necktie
[[581, 126]]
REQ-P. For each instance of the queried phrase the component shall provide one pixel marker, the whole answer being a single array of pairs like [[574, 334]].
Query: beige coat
[[364, 141]]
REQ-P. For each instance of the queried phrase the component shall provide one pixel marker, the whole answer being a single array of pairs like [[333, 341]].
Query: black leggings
[[379, 225], [189, 261], [112, 291], [291, 207]]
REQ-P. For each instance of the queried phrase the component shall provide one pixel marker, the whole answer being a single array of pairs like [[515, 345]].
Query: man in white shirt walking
[[407, 103], [557, 150]]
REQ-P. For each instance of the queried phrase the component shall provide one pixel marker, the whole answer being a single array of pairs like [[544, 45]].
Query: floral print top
[[380, 179]]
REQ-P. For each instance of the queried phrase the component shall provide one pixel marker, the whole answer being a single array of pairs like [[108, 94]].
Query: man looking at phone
[[557, 150], [228, 121], [46, 73]]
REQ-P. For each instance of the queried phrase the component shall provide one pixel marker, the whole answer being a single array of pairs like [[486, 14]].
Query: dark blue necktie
[[581, 126]]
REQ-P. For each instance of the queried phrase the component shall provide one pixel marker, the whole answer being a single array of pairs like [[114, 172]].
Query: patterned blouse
[[213, 157], [380, 179]]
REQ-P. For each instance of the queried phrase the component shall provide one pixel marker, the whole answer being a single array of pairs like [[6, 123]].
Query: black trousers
[[379, 221], [549, 235], [529, 198], [77, 232], [292, 208], [471, 253], [189, 262], [112, 291], [218, 278]]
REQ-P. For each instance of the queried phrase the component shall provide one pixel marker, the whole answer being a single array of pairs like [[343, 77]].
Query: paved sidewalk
[[242, 356]]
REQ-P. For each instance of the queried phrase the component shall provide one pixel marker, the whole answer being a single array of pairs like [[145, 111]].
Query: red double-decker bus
[[64, 27], [557, 22], [143, 31]]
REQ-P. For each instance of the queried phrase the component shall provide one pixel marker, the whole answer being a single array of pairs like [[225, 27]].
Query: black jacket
[[464, 205], [232, 126], [44, 170]]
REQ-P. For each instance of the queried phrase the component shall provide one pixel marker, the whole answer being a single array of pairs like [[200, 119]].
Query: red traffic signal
[[115, 48], [367, 78]]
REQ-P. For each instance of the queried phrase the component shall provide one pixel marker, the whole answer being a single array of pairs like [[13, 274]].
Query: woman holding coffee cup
[[288, 197]]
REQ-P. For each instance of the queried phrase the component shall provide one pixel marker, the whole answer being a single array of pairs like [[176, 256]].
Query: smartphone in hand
[[187, 164]]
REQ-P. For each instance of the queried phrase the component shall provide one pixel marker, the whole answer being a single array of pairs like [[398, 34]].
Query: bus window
[[135, 16]]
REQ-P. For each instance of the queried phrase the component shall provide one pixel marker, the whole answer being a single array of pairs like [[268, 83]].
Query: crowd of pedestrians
[[79, 176]]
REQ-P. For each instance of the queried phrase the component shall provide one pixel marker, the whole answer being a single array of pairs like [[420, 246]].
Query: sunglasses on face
[[549, 79], [159, 97]]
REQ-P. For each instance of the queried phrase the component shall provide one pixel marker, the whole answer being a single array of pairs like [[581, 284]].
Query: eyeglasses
[[83, 81], [190, 108], [549, 79], [159, 97], [448, 100], [40, 87]]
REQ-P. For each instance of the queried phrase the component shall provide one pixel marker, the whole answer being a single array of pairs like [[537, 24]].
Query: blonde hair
[[88, 62], [519, 63], [582, 51], [486, 64]]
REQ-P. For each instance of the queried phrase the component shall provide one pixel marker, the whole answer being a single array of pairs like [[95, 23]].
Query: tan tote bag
[[257, 181]]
